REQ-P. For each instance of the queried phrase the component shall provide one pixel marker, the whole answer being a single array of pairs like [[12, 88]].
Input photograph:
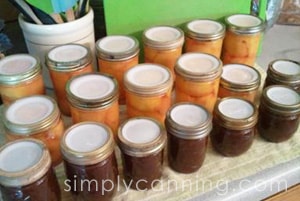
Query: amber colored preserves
[[29, 176], [36, 117], [116, 54], [197, 79], [20, 76], [242, 39], [204, 35], [279, 112], [65, 62]]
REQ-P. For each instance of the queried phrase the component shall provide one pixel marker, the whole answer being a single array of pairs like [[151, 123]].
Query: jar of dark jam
[[26, 172], [284, 72], [142, 141], [89, 161], [234, 126], [188, 126], [278, 113]]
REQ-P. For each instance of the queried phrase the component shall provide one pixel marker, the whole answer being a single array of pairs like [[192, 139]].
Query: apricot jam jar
[[64, 62], [204, 35], [197, 79], [116, 54], [279, 112], [234, 126], [188, 126], [94, 97], [36, 117], [26, 172], [89, 161], [148, 90], [242, 39], [284, 72], [239, 80], [142, 141], [163, 45], [20, 76]]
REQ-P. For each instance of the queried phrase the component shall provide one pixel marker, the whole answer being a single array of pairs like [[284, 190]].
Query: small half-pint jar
[[115, 55], [242, 39], [20, 76], [284, 72], [239, 80], [89, 161], [148, 90], [204, 35], [279, 112], [26, 172], [94, 97], [197, 79], [163, 45], [36, 117], [64, 62], [234, 126], [142, 142], [188, 126]]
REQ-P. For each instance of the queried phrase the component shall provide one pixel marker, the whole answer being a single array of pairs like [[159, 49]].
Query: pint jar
[[89, 161], [239, 80], [116, 54], [188, 126], [26, 172], [20, 76], [142, 141], [94, 97], [279, 112], [148, 90], [197, 79], [284, 72], [162, 45], [204, 35], [36, 117], [64, 62], [234, 126], [242, 39]]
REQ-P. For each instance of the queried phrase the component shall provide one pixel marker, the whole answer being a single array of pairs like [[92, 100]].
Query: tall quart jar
[[142, 141], [148, 90], [89, 161], [204, 35], [188, 126], [36, 117], [116, 54], [284, 72], [197, 79], [26, 172], [64, 62], [234, 126], [20, 76], [242, 39], [239, 80], [94, 97], [163, 45], [279, 112]]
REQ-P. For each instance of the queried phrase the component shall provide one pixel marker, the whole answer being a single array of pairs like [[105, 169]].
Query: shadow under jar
[[90, 161], [142, 141], [234, 126], [188, 126], [279, 112], [26, 172]]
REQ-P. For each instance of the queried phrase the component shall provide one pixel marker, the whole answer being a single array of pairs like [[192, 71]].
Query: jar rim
[[244, 23], [290, 77]]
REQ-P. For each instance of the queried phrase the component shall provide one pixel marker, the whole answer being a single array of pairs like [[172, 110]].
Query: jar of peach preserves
[[116, 54], [64, 62], [197, 79], [20, 76], [204, 35], [35, 117]]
